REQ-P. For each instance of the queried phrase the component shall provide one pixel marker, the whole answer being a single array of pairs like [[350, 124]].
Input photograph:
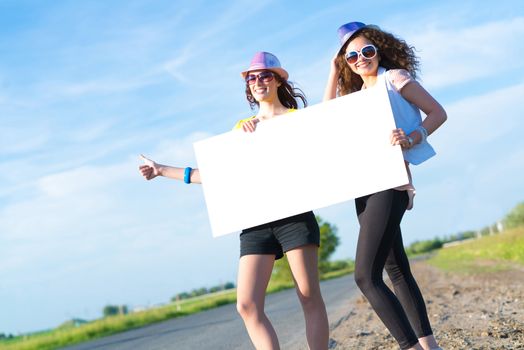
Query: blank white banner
[[312, 158]]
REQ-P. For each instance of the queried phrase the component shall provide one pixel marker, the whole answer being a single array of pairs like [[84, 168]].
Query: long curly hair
[[287, 93], [394, 53]]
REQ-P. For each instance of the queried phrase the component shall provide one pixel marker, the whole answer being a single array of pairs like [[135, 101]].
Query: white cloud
[[81, 224], [469, 195], [452, 55], [91, 132], [86, 190], [175, 66], [81, 180], [101, 86], [177, 152], [481, 120], [96, 200], [202, 51], [80, 104], [475, 178]]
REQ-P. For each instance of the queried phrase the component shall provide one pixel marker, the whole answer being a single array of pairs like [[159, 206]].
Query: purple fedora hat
[[266, 60], [346, 31]]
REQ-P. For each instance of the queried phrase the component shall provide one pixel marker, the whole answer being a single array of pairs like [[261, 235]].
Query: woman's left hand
[[399, 137], [250, 125]]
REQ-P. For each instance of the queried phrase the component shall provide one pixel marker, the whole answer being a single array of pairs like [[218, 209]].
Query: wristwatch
[[410, 141]]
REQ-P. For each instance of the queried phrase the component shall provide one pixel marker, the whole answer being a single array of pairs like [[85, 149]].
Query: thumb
[[145, 159]]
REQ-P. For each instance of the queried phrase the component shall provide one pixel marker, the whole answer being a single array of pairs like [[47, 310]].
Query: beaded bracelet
[[423, 132], [187, 175]]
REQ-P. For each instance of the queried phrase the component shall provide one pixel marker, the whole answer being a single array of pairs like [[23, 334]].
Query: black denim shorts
[[280, 236]]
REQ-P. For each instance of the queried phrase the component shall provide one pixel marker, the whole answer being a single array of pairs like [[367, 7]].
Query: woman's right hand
[[149, 169], [330, 91], [334, 67], [399, 137]]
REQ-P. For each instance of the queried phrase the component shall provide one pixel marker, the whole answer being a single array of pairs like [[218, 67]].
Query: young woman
[[297, 236], [370, 57]]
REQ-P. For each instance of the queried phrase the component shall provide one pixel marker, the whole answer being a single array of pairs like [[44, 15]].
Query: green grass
[[110, 325], [276, 285], [338, 273], [65, 336], [490, 253]]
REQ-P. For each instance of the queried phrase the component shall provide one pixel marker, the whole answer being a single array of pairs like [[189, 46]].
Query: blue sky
[[85, 87]]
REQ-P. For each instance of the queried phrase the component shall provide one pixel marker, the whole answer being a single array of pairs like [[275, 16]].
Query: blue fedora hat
[[346, 31]]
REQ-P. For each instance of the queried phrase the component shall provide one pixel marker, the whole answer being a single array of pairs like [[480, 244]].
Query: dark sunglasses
[[368, 51], [265, 77]]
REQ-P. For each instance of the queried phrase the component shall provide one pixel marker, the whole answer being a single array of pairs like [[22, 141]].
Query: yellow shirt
[[238, 125]]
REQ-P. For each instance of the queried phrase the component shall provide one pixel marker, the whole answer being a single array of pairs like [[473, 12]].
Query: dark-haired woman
[[370, 57], [298, 236]]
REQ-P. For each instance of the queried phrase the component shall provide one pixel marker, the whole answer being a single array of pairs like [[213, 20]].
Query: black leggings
[[380, 245]]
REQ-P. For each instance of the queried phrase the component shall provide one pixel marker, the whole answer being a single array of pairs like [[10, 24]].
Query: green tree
[[112, 310], [419, 247], [123, 310], [515, 218], [467, 234], [328, 244], [215, 289], [281, 270], [485, 231], [199, 292]]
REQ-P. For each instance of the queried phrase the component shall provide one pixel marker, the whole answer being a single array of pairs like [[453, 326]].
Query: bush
[[113, 310], [515, 218], [420, 247]]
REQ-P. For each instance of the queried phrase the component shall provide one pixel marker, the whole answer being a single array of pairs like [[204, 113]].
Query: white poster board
[[312, 158]]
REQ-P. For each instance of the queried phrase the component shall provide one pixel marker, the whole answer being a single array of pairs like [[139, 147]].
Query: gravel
[[467, 311]]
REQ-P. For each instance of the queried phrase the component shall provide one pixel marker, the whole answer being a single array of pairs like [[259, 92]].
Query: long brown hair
[[394, 53], [287, 93]]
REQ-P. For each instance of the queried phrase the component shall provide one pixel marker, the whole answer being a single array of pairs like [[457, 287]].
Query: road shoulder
[[479, 311]]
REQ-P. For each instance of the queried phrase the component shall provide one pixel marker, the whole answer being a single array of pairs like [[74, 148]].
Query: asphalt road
[[222, 328]]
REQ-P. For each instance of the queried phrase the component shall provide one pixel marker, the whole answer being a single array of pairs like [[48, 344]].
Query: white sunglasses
[[368, 52]]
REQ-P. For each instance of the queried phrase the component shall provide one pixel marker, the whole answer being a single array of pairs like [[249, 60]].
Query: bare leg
[[254, 272], [303, 262]]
